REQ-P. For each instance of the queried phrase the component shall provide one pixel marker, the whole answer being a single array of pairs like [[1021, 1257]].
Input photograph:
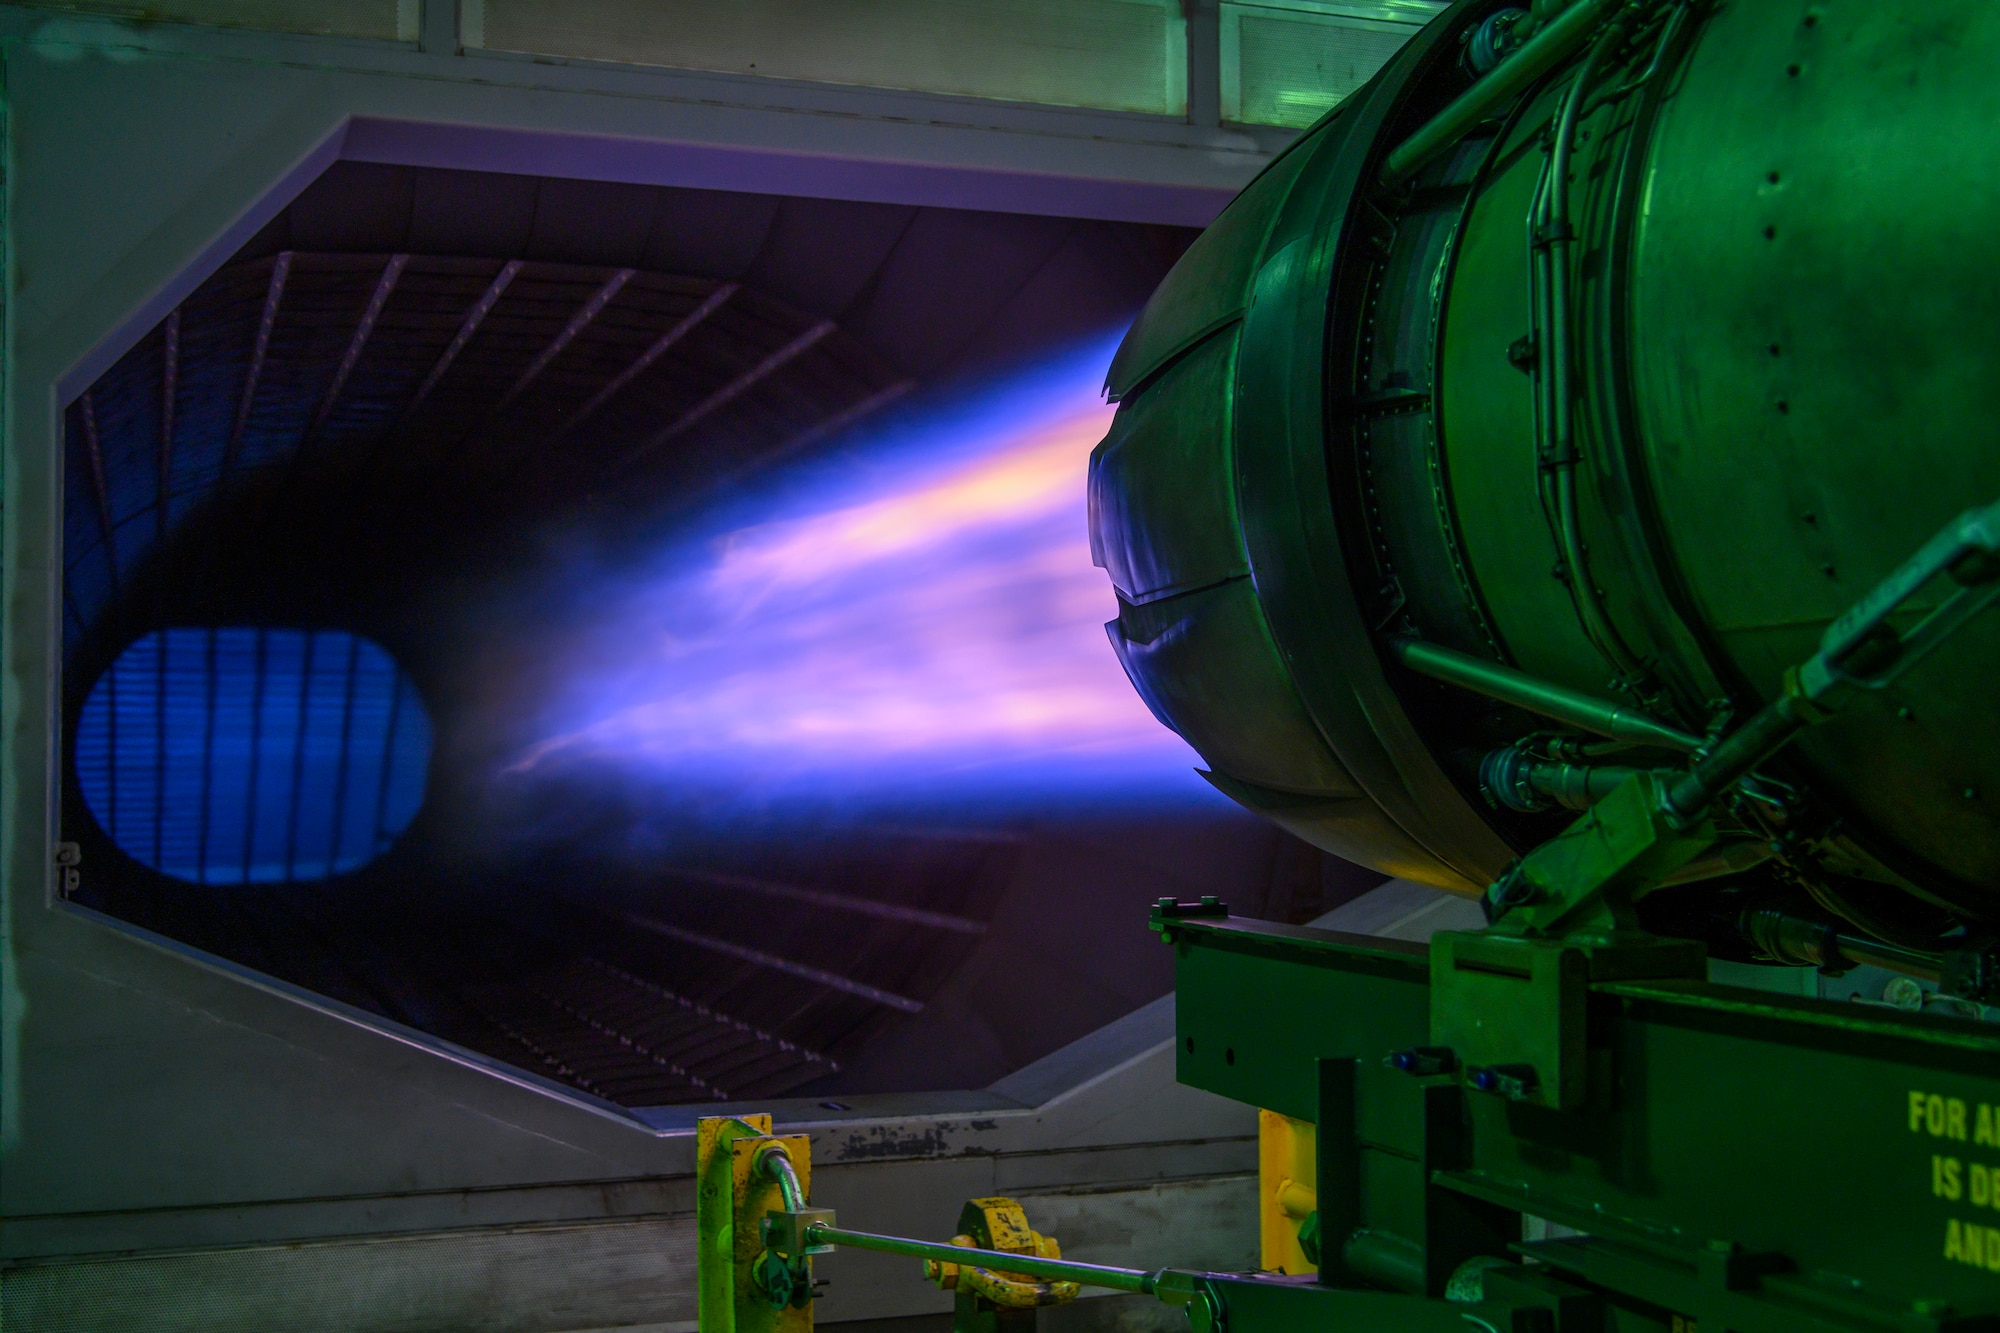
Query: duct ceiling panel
[[1116, 55], [1288, 64], [389, 20]]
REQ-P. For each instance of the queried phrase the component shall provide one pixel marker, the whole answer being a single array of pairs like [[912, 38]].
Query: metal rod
[[160, 637], [578, 322], [466, 328], [1542, 53], [714, 1015], [1809, 693], [1801, 941], [659, 348], [1768, 731], [469, 325], [1538, 696], [729, 392], [1135, 1280], [273, 297], [1894, 957], [1552, 237], [1520, 779], [831, 980], [540, 1052], [170, 385], [626, 1040], [384, 287], [95, 453], [111, 750]]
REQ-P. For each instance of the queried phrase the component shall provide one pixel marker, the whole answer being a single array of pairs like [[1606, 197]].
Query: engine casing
[[1778, 269]]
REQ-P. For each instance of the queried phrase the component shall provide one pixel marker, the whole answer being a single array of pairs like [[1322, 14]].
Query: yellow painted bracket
[[731, 1199], [986, 1300], [1287, 1185]]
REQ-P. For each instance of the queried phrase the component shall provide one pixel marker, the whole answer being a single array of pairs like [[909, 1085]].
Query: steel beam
[[728, 393], [474, 317], [685, 325], [384, 286], [714, 1015], [94, 451], [170, 383], [534, 1048], [578, 322], [274, 296], [624, 1039]]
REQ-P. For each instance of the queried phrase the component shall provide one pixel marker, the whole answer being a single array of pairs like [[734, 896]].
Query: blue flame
[[916, 618]]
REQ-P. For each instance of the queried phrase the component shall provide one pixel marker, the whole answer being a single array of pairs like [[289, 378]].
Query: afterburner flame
[[922, 615]]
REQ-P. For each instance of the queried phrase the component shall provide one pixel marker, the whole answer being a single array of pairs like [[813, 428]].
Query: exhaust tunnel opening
[[402, 661]]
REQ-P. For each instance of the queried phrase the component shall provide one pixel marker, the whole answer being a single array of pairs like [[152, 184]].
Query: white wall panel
[[391, 20], [1118, 55]]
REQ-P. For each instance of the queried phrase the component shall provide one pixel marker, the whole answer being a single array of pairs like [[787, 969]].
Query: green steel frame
[[1738, 1160], [1747, 1161]]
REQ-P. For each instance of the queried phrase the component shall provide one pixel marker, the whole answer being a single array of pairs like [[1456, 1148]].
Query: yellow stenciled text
[[1977, 1184], [1971, 1243], [1945, 1118], [1947, 1181]]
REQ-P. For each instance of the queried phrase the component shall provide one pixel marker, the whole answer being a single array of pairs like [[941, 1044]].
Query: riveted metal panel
[[1162, 489], [1818, 405], [1206, 664]]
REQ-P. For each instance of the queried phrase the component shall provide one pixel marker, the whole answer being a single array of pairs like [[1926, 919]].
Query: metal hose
[[777, 1163], [1551, 240]]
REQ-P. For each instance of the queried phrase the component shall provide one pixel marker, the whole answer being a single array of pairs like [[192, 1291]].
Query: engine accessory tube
[[1509, 686], [1519, 779]]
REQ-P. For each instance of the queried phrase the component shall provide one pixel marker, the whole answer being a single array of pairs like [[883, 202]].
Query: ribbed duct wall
[[408, 393]]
